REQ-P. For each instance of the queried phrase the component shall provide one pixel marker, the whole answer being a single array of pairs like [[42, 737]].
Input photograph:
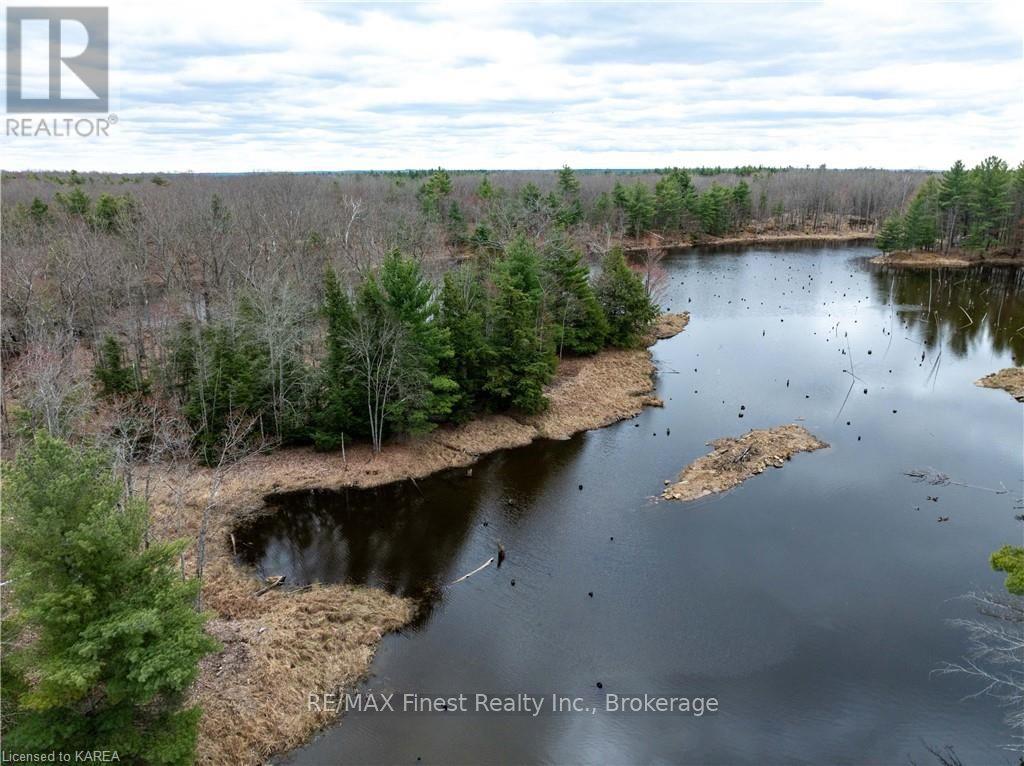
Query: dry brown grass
[[280, 646], [657, 242], [734, 460], [954, 259], [1010, 380]]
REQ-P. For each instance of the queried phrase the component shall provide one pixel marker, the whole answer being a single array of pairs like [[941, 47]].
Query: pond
[[813, 601]]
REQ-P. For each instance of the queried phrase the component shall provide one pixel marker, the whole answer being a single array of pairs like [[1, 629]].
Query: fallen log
[[470, 574]]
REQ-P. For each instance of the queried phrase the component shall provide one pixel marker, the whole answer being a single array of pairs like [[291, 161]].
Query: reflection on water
[[812, 601], [955, 308], [403, 537]]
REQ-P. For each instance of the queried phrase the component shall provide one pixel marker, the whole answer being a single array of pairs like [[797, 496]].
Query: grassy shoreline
[[281, 645]]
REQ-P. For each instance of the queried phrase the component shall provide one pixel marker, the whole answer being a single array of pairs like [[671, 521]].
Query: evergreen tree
[[434, 192], [569, 209], [989, 202], [714, 209], [954, 189], [523, 358], [115, 639], [741, 203], [401, 293], [892, 236], [638, 204], [920, 225], [340, 397], [670, 204], [462, 314], [115, 377], [485, 190], [39, 211], [577, 321], [77, 202], [627, 309]]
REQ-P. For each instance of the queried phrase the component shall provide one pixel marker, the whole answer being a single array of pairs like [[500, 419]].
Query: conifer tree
[[340, 396], [401, 294], [462, 314], [523, 358], [627, 309], [891, 237], [954, 189], [577, 320], [115, 639]]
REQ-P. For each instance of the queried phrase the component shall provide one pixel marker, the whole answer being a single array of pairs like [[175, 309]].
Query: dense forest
[[978, 209], [323, 307]]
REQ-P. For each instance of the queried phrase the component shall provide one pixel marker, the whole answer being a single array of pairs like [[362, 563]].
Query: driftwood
[[470, 574], [939, 479], [273, 583]]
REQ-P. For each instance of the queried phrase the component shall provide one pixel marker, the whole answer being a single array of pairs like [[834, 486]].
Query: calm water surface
[[812, 601]]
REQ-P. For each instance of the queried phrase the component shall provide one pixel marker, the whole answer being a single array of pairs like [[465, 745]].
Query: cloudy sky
[[329, 86]]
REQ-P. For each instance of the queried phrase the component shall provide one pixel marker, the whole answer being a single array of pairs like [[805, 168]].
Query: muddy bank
[[281, 645], [1010, 380], [920, 259], [655, 242], [734, 460]]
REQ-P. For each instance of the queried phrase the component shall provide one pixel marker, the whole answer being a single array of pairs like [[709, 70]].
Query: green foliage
[[988, 202], [920, 225], [116, 378], [628, 310], [577, 320], [116, 640], [715, 210], [39, 211], [76, 202], [523, 357], [638, 205], [434, 192], [675, 197], [485, 190], [462, 313], [1010, 559], [892, 235], [340, 395], [569, 209], [401, 293]]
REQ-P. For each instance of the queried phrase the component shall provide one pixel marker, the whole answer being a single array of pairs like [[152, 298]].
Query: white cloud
[[290, 86]]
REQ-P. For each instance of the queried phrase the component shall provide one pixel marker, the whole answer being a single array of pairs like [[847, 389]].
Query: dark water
[[811, 601]]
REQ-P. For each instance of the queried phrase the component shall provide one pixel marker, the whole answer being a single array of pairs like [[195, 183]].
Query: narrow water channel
[[813, 601]]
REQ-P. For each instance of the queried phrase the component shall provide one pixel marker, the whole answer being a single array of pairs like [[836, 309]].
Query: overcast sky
[[324, 86]]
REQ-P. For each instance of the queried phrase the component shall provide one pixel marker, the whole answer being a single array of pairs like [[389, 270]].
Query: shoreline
[[954, 259], [280, 645], [764, 238]]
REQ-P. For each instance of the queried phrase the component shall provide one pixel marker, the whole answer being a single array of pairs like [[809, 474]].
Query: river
[[813, 602]]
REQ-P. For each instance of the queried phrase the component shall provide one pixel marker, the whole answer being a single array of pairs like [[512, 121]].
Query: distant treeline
[[977, 209]]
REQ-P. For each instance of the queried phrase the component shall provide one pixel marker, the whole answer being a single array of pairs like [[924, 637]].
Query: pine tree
[[569, 209], [523, 358], [75, 203], [892, 236], [116, 640], [577, 321], [115, 377], [670, 204], [462, 314], [638, 204], [714, 210], [989, 202], [627, 309], [953, 197], [920, 225], [339, 399], [401, 293]]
